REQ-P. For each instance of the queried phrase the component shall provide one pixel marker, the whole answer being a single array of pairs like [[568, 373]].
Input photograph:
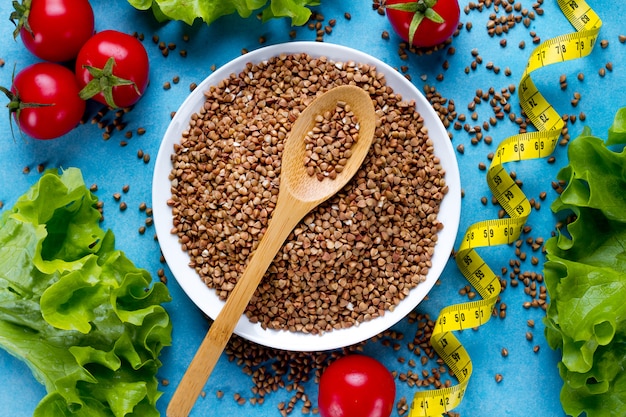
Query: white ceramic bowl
[[207, 300]]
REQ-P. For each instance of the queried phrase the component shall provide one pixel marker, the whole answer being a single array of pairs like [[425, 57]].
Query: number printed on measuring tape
[[539, 144]]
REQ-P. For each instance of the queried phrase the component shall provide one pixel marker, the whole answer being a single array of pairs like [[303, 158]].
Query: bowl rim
[[207, 300]]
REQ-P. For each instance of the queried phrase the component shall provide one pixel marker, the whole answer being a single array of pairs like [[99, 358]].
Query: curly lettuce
[[585, 275], [208, 11], [87, 322]]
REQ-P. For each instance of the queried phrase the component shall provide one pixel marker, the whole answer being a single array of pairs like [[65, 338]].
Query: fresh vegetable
[[44, 100], [208, 11], [53, 30], [356, 386], [585, 274], [423, 23], [113, 69], [88, 323]]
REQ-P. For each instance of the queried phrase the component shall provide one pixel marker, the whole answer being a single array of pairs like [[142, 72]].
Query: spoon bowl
[[298, 194], [294, 177]]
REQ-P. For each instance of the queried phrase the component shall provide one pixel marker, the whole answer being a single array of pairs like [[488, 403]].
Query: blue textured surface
[[531, 383]]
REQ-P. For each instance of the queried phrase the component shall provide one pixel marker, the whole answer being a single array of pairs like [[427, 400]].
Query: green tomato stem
[[19, 17], [15, 105], [103, 82]]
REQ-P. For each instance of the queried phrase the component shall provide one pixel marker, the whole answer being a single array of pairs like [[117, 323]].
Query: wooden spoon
[[298, 194]]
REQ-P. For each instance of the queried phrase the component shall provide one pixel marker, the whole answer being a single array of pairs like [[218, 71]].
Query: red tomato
[[44, 100], [356, 386], [54, 30], [415, 22], [113, 69]]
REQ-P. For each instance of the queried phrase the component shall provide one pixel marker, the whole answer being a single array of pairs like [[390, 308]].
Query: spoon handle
[[286, 216]]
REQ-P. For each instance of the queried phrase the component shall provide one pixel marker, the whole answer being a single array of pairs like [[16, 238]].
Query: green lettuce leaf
[[585, 275], [209, 11], [88, 323]]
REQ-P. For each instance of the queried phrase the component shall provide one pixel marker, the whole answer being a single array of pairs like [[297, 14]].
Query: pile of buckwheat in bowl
[[351, 260]]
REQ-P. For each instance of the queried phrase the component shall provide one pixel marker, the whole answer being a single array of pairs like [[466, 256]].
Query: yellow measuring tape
[[533, 145]]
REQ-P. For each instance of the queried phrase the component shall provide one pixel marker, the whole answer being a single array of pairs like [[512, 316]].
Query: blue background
[[531, 383]]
